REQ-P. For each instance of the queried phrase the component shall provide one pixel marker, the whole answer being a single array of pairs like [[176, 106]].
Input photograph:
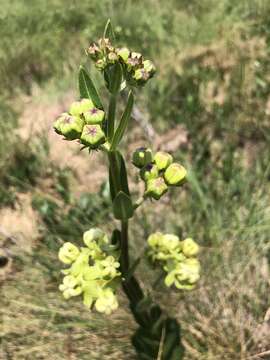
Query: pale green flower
[[107, 302], [155, 239], [68, 253], [190, 247], [185, 274], [70, 287], [110, 266], [93, 235]]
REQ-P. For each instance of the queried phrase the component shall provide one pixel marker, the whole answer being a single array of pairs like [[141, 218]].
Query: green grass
[[213, 79]]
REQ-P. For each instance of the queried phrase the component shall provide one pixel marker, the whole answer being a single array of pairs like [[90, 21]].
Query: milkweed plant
[[97, 270]]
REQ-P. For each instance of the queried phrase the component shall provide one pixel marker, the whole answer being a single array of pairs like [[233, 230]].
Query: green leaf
[[123, 174], [87, 88], [123, 122], [113, 78], [117, 174], [108, 31], [122, 206], [159, 337]]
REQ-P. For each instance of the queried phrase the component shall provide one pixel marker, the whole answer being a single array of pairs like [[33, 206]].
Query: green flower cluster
[[158, 171], [136, 70], [93, 272], [84, 122], [178, 259]]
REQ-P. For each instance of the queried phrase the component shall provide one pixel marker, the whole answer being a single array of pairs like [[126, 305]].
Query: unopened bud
[[94, 51], [68, 253], [101, 64], [92, 136], [112, 57], [104, 42], [190, 247], [149, 67], [163, 160], [92, 235], [134, 60], [142, 156], [79, 107], [69, 126], [149, 171], [175, 174], [155, 239], [141, 75], [156, 188], [123, 53], [94, 116]]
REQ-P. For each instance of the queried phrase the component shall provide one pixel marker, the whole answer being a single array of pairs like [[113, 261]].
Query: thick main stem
[[124, 247]]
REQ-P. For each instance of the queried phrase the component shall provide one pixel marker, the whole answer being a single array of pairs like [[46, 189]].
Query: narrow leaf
[[123, 175], [117, 174], [123, 122], [108, 31], [88, 89], [122, 206]]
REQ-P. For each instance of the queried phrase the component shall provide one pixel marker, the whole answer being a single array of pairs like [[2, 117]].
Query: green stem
[[111, 116], [139, 202], [124, 248]]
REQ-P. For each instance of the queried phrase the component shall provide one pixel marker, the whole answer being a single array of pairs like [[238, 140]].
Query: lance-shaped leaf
[[122, 206], [114, 78], [108, 31], [88, 89], [117, 174], [123, 122]]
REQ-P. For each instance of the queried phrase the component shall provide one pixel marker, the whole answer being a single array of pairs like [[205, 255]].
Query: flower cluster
[[158, 171], [136, 70], [84, 122], [93, 272], [178, 259]]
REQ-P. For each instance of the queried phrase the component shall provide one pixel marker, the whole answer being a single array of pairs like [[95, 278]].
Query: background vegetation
[[209, 103]]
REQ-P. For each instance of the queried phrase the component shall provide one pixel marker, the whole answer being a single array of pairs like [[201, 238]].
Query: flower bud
[[93, 235], [107, 302], [142, 156], [123, 53], [163, 160], [156, 188], [112, 57], [134, 60], [68, 253], [70, 287], [190, 247], [94, 51], [69, 126], [175, 174], [170, 242], [141, 75], [92, 136], [104, 43], [149, 67], [57, 125], [94, 116], [149, 171], [155, 239], [101, 64], [79, 107]]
